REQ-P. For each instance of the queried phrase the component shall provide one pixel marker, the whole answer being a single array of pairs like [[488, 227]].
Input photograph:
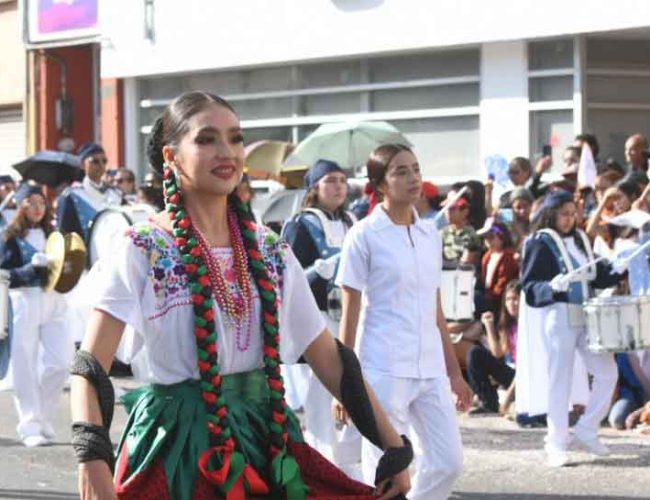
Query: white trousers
[[425, 405], [563, 342], [41, 353]]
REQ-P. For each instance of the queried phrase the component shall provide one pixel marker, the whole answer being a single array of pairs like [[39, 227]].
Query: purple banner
[[56, 16]]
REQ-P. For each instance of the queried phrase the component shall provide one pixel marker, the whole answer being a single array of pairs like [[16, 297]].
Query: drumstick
[[578, 270], [450, 203], [7, 199]]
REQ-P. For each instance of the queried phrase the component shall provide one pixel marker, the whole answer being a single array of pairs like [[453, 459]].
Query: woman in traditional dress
[[41, 348], [394, 260], [550, 255], [217, 301]]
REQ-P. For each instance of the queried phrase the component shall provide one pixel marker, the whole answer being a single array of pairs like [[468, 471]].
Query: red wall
[[79, 63], [112, 121]]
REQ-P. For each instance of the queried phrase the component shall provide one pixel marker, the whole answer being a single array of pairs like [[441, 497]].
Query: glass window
[[332, 74], [444, 146], [618, 89], [252, 135], [329, 104], [421, 66], [263, 108], [448, 96], [613, 127], [551, 127], [555, 88], [618, 54], [551, 54]]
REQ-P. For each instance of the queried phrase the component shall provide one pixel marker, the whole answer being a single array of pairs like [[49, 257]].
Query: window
[[551, 127]]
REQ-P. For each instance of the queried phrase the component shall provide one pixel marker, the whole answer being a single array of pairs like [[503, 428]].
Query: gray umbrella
[[51, 168]]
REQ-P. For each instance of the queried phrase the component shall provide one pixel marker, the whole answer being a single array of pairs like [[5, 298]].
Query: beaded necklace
[[236, 307], [215, 463]]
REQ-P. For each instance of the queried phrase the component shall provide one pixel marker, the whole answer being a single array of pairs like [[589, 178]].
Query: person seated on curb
[[633, 386], [496, 362]]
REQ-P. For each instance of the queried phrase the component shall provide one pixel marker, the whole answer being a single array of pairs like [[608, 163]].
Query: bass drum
[[110, 224]]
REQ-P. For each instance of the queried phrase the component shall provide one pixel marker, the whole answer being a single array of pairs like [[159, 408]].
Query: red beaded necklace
[[236, 307]]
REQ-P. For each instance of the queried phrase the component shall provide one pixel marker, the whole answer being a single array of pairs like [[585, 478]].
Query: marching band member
[[554, 250], [217, 301], [38, 319], [394, 260], [316, 235], [78, 204]]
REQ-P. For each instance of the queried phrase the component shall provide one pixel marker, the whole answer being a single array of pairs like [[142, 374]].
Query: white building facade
[[467, 81]]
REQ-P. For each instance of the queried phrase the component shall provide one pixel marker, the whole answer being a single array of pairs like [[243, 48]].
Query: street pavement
[[501, 462]]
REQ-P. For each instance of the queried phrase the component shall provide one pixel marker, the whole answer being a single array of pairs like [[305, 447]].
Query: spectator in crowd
[[361, 206], [521, 174], [556, 248], [636, 152], [124, 180], [498, 265], [427, 205], [7, 188], [41, 348], [497, 362], [149, 195], [518, 219], [591, 140], [460, 242], [153, 179], [633, 386]]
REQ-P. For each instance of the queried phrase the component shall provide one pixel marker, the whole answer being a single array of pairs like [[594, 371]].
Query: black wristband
[[394, 460], [86, 365], [92, 442]]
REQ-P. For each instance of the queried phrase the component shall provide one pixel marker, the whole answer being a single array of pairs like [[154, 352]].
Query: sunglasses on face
[[514, 172], [122, 181]]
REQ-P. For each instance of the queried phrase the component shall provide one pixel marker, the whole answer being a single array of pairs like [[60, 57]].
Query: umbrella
[[51, 168], [267, 156], [348, 143]]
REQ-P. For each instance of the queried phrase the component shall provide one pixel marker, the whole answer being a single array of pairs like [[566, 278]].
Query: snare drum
[[109, 224], [457, 293], [5, 327], [618, 324]]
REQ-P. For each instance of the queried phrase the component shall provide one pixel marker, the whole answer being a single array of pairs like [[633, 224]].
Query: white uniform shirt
[[398, 269], [143, 284]]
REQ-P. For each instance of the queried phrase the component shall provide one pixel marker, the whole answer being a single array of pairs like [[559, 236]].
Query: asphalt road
[[501, 462]]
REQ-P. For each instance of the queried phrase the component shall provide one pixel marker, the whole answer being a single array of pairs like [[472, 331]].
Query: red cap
[[429, 190]]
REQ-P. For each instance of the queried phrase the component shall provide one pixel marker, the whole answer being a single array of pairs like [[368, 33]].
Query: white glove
[[560, 283], [325, 268], [620, 265], [39, 259]]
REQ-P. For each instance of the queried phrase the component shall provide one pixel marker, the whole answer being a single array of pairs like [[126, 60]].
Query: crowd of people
[[242, 310]]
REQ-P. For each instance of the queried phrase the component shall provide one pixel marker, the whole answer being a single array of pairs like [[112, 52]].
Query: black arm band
[[92, 442], [354, 396], [86, 365], [394, 460]]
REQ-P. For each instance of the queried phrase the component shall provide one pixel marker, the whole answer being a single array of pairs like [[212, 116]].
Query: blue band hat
[[319, 170], [89, 149], [6, 179], [552, 200], [27, 189]]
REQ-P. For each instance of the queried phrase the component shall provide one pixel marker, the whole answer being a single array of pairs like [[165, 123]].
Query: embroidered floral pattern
[[167, 275]]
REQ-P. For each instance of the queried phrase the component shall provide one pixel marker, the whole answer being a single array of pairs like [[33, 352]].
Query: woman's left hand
[[399, 483], [463, 394]]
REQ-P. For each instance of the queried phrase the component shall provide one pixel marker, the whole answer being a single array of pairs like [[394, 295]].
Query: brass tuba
[[67, 258]]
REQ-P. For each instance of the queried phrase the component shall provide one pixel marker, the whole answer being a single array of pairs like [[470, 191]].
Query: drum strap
[[331, 240], [91, 441]]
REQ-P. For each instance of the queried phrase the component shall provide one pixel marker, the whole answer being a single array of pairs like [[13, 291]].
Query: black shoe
[[483, 410]]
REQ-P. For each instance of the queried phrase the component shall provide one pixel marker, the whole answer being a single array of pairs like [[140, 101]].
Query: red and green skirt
[[166, 438]]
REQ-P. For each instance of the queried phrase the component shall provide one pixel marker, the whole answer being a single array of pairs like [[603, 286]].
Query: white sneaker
[[36, 440], [592, 444], [556, 457]]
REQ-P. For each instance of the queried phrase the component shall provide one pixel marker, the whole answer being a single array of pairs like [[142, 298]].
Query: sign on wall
[[54, 20]]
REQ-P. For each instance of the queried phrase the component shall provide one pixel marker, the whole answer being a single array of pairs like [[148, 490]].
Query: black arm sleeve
[[19, 274], [67, 218], [539, 267]]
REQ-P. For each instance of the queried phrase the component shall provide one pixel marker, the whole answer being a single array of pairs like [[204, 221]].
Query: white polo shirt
[[398, 269]]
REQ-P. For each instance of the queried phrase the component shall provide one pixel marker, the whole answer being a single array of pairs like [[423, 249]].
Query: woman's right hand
[[95, 481], [399, 483], [487, 318]]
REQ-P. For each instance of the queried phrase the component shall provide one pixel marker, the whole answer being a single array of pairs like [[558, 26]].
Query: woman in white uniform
[[554, 250], [217, 302], [41, 349], [394, 260], [316, 236]]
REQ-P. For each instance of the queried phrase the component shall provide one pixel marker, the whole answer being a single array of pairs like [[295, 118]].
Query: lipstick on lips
[[224, 171]]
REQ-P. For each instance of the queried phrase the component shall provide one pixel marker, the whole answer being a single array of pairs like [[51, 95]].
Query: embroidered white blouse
[[143, 284]]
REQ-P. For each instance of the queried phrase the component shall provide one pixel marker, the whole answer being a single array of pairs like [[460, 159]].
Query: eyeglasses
[[122, 181], [514, 172]]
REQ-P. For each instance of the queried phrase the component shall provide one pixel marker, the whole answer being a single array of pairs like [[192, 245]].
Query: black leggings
[[481, 365]]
